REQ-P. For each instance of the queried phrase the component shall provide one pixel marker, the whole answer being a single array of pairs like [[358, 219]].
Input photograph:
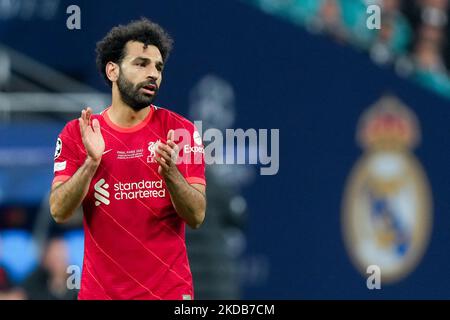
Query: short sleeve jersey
[[134, 239]]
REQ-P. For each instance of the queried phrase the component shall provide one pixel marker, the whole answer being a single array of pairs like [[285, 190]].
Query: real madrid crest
[[387, 209]]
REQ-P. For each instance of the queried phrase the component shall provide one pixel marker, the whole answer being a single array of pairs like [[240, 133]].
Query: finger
[[165, 148], [160, 158], [173, 145], [85, 129], [169, 154], [172, 153], [88, 116], [162, 163], [170, 135], [84, 117], [163, 154], [82, 122], [96, 126]]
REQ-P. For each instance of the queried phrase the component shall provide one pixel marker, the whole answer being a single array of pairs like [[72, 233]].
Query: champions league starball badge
[[58, 148]]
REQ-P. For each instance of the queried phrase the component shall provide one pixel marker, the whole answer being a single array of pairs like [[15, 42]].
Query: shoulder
[[172, 118], [71, 127]]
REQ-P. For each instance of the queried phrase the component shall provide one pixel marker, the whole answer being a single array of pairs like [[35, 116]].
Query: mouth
[[149, 89]]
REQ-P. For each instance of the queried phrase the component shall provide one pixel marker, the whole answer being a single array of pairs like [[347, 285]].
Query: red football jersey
[[134, 244]]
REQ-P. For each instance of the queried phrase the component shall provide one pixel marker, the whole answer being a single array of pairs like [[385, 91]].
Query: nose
[[153, 73]]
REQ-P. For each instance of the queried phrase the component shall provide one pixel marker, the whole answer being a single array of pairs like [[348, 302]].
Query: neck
[[123, 115]]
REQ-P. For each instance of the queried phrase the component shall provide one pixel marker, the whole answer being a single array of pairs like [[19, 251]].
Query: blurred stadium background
[[310, 68]]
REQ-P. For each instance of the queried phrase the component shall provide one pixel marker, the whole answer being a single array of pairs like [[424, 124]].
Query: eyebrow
[[147, 60]]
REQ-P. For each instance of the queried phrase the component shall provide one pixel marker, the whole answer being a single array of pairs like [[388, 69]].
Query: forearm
[[189, 202], [67, 197]]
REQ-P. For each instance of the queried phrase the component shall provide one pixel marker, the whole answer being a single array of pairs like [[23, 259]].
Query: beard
[[131, 94]]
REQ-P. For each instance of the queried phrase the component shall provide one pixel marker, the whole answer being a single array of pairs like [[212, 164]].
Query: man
[[138, 171], [49, 280], [7, 290]]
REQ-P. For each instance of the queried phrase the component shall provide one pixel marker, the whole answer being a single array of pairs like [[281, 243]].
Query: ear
[[112, 71]]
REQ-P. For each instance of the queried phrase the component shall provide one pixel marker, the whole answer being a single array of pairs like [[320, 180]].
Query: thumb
[[96, 126], [170, 135]]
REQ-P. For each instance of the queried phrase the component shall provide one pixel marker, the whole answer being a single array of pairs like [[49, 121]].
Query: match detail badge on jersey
[[59, 166], [387, 205]]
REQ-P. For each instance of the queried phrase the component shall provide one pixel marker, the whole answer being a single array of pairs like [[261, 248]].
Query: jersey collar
[[134, 128]]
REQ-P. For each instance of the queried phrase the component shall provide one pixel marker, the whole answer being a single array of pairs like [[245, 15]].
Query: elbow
[[56, 214], [58, 219], [195, 226], [198, 221]]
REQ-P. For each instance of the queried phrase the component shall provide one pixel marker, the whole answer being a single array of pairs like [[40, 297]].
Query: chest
[[131, 154], [128, 173]]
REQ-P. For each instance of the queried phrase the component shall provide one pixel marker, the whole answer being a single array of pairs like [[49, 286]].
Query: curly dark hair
[[112, 46]]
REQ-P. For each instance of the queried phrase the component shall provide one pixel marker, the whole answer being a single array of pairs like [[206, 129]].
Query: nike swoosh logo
[[107, 151]]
